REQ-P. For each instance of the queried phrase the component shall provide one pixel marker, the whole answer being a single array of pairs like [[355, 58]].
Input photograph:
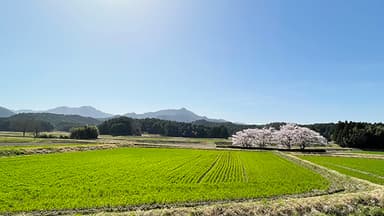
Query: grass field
[[136, 176], [40, 145], [16, 138], [155, 138], [368, 152], [364, 168], [6, 139]]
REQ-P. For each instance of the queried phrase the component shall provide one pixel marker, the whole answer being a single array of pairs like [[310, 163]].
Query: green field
[[364, 168], [11, 138], [368, 152], [136, 176], [6, 139], [16, 138], [6, 150]]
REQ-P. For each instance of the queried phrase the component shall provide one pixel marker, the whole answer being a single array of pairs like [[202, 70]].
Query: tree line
[[359, 135], [128, 126], [56, 121], [25, 125]]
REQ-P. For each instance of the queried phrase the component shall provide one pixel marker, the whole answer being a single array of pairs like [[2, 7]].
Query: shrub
[[86, 132], [122, 126], [46, 136], [64, 137]]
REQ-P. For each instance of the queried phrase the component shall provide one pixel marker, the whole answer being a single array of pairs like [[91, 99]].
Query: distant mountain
[[59, 122], [4, 112], [179, 115], [86, 111], [25, 111]]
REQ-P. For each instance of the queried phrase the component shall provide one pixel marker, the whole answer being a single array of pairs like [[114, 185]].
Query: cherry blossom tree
[[292, 134], [305, 136], [288, 135], [243, 138], [253, 137], [265, 136]]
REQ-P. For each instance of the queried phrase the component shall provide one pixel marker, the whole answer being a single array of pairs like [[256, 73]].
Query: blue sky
[[245, 61]]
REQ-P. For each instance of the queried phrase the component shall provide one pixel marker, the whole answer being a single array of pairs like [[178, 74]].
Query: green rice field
[[369, 152], [364, 168], [138, 176]]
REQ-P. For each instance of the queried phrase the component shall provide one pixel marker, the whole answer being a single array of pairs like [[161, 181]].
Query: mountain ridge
[[4, 112], [179, 115], [60, 122], [85, 111]]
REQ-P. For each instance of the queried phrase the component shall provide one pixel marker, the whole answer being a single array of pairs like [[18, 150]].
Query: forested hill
[[57, 121], [178, 115], [129, 126], [359, 135]]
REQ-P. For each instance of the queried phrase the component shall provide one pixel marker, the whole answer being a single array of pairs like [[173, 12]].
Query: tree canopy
[[86, 132], [359, 135]]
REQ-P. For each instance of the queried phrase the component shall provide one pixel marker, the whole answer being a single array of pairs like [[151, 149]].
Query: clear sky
[[241, 60]]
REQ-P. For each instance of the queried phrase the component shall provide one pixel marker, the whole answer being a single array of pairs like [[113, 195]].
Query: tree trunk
[[36, 133]]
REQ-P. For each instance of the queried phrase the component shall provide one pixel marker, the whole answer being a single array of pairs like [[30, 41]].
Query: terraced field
[[137, 176], [364, 168]]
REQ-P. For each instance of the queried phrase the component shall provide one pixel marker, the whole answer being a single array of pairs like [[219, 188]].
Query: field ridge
[[359, 171]]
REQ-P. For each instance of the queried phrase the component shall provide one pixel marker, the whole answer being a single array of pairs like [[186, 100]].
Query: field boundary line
[[358, 171], [339, 182], [349, 155]]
